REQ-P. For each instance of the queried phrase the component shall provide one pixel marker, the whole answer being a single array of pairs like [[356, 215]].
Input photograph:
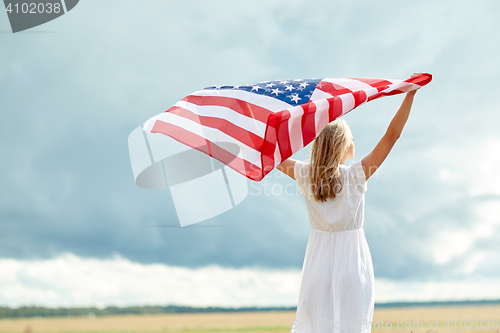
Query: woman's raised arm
[[373, 160]]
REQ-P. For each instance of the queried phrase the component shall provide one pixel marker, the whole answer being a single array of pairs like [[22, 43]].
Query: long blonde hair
[[328, 149]]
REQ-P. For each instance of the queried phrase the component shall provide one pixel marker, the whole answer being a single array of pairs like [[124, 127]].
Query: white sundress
[[337, 289]]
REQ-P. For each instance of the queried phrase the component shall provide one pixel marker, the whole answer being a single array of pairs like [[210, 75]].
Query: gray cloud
[[70, 99]]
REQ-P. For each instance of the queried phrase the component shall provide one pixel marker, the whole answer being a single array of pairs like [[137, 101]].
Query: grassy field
[[262, 322]]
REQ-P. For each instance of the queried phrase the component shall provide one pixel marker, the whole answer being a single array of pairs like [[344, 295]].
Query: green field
[[474, 319]]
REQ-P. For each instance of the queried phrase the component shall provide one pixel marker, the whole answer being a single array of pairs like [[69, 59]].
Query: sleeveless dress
[[337, 289]]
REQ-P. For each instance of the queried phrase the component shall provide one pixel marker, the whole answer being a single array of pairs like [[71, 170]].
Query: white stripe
[[295, 129], [270, 103], [212, 134], [321, 115], [250, 124], [277, 155], [348, 102], [148, 125], [370, 92], [403, 86], [319, 94], [350, 84]]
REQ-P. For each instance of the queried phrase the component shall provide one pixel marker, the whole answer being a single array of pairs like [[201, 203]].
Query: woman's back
[[337, 290], [346, 210]]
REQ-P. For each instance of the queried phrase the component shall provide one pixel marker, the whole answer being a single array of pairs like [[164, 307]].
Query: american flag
[[254, 127]]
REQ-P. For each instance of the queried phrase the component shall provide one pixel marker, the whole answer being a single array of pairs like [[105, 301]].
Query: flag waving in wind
[[253, 128]]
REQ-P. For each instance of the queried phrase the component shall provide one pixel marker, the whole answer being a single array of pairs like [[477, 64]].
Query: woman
[[337, 288]]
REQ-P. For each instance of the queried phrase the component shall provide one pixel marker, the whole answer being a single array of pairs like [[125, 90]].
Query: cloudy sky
[[76, 230]]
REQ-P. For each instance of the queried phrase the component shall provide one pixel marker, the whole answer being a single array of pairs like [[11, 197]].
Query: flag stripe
[[320, 94], [348, 103], [308, 123], [265, 102], [262, 124], [295, 126], [350, 84], [200, 143], [212, 134], [239, 134], [335, 108], [333, 88], [242, 107], [271, 154], [283, 134], [249, 124], [321, 117], [277, 156]]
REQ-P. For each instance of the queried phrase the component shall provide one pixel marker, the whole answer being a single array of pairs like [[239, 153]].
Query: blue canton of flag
[[294, 92]]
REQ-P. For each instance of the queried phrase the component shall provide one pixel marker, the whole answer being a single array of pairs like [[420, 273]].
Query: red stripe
[[244, 136], [199, 143], [247, 109], [282, 134], [375, 83], [332, 88], [270, 141], [381, 88], [335, 108], [359, 98], [278, 126], [308, 123], [421, 79]]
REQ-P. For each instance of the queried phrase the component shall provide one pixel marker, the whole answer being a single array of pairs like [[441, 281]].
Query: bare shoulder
[[287, 167]]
